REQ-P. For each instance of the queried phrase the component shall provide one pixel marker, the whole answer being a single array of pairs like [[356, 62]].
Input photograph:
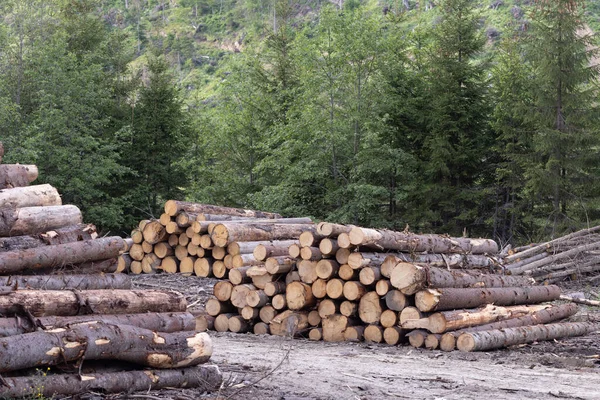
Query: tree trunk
[[17, 175], [64, 302], [411, 278], [450, 298], [299, 295], [67, 282], [225, 233], [172, 207], [370, 308], [30, 196], [499, 338], [101, 341], [410, 242], [31, 220], [207, 378], [263, 251], [60, 254], [160, 322], [544, 316]]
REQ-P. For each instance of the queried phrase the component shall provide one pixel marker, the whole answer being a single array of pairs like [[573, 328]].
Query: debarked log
[[205, 377], [100, 341]]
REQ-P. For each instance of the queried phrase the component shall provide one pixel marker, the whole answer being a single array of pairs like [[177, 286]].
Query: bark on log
[[215, 307], [124, 263], [547, 315], [206, 378], [267, 313], [354, 334], [262, 251], [225, 233], [370, 308], [396, 300], [66, 282], [410, 278], [273, 288], [17, 175], [238, 324], [160, 322], [310, 238], [410, 242], [279, 265], [172, 207], [64, 302], [555, 257], [31, 220], [299, 295], [311, 254], [499, 338], [361, 260], [67, 234], [62, 254], [205, 323], [417, 338], [30, 196], [101, 341], [453, 261]]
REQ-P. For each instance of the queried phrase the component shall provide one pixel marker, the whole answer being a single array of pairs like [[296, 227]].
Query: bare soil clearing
[[301, 369]]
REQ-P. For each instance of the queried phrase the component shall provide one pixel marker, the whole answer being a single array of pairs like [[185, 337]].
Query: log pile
[[62, 304], [575, 256], [342, 282]]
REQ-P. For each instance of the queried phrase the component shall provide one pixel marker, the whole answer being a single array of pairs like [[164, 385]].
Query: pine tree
[[560, 50]]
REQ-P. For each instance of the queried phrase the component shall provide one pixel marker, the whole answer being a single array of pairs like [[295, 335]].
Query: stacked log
[[344, 282], [61, 303], [575, 256]]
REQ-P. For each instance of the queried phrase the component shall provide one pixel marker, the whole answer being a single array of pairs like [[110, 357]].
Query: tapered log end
[[356, 236], [220, 235], [408, 278], [465, 342]]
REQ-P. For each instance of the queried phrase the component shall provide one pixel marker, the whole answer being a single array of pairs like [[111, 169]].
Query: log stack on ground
[[61, 303], [345, 282]]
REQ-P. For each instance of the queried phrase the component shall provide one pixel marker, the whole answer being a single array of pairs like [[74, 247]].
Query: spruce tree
[[562, 179]]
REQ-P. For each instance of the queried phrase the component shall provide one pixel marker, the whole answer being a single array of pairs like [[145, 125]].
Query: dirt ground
[[270, 367]]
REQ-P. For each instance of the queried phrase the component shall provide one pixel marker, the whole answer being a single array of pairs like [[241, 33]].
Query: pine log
[[124, 263], [319, 288], [155, 232], [572, 272], [135, 267], [329, 229], [64, 303], [354, 290], [30, 196], [222, 322], [450, 298], [370, 308], [334, 327], [172, 207], [215, 307], [373, 333], [347, 273], [360, 260], [443, 321], [315, 334], [101, 341], [349, 308], [62, 254], [161, 322], [169, 265], [224, 234], [249, 314], [342, 255], [31, 220], [66, 282], [335, 288], [273, 288], [173, 228], [150, 263], [136, 252], [278, 302], [499, 338], [432, 341], [453, 261], [388, 318], [237, 276], [343, 241], [311, 253], [578, 300], [299, 295], [17, 175], [314, 319], [327, 269], [186, 266], [67, 234], [417, 338], [354, 334], [328, 307], [257, 298], [262, 251], [206, 242], [307, 271], [394, 335], [219, 270], [289, 323], [328, 247], [218, 217], [279, 265], [544, 316], [383, 286], [267, 313], [205, 378], [411, 313], [410, 242], [222, 290], [410, 278], [369, 275], [181, 252], [396, 300], [310, 238], [261, 328], [204, 323], [203, 267], [294, 250], [238, 324], [172, 240], [239, 293]]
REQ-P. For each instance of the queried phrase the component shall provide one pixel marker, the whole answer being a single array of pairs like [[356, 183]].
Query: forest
[[447, 116]]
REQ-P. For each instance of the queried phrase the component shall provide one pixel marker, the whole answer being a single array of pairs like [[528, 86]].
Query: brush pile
[[61, 304]]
